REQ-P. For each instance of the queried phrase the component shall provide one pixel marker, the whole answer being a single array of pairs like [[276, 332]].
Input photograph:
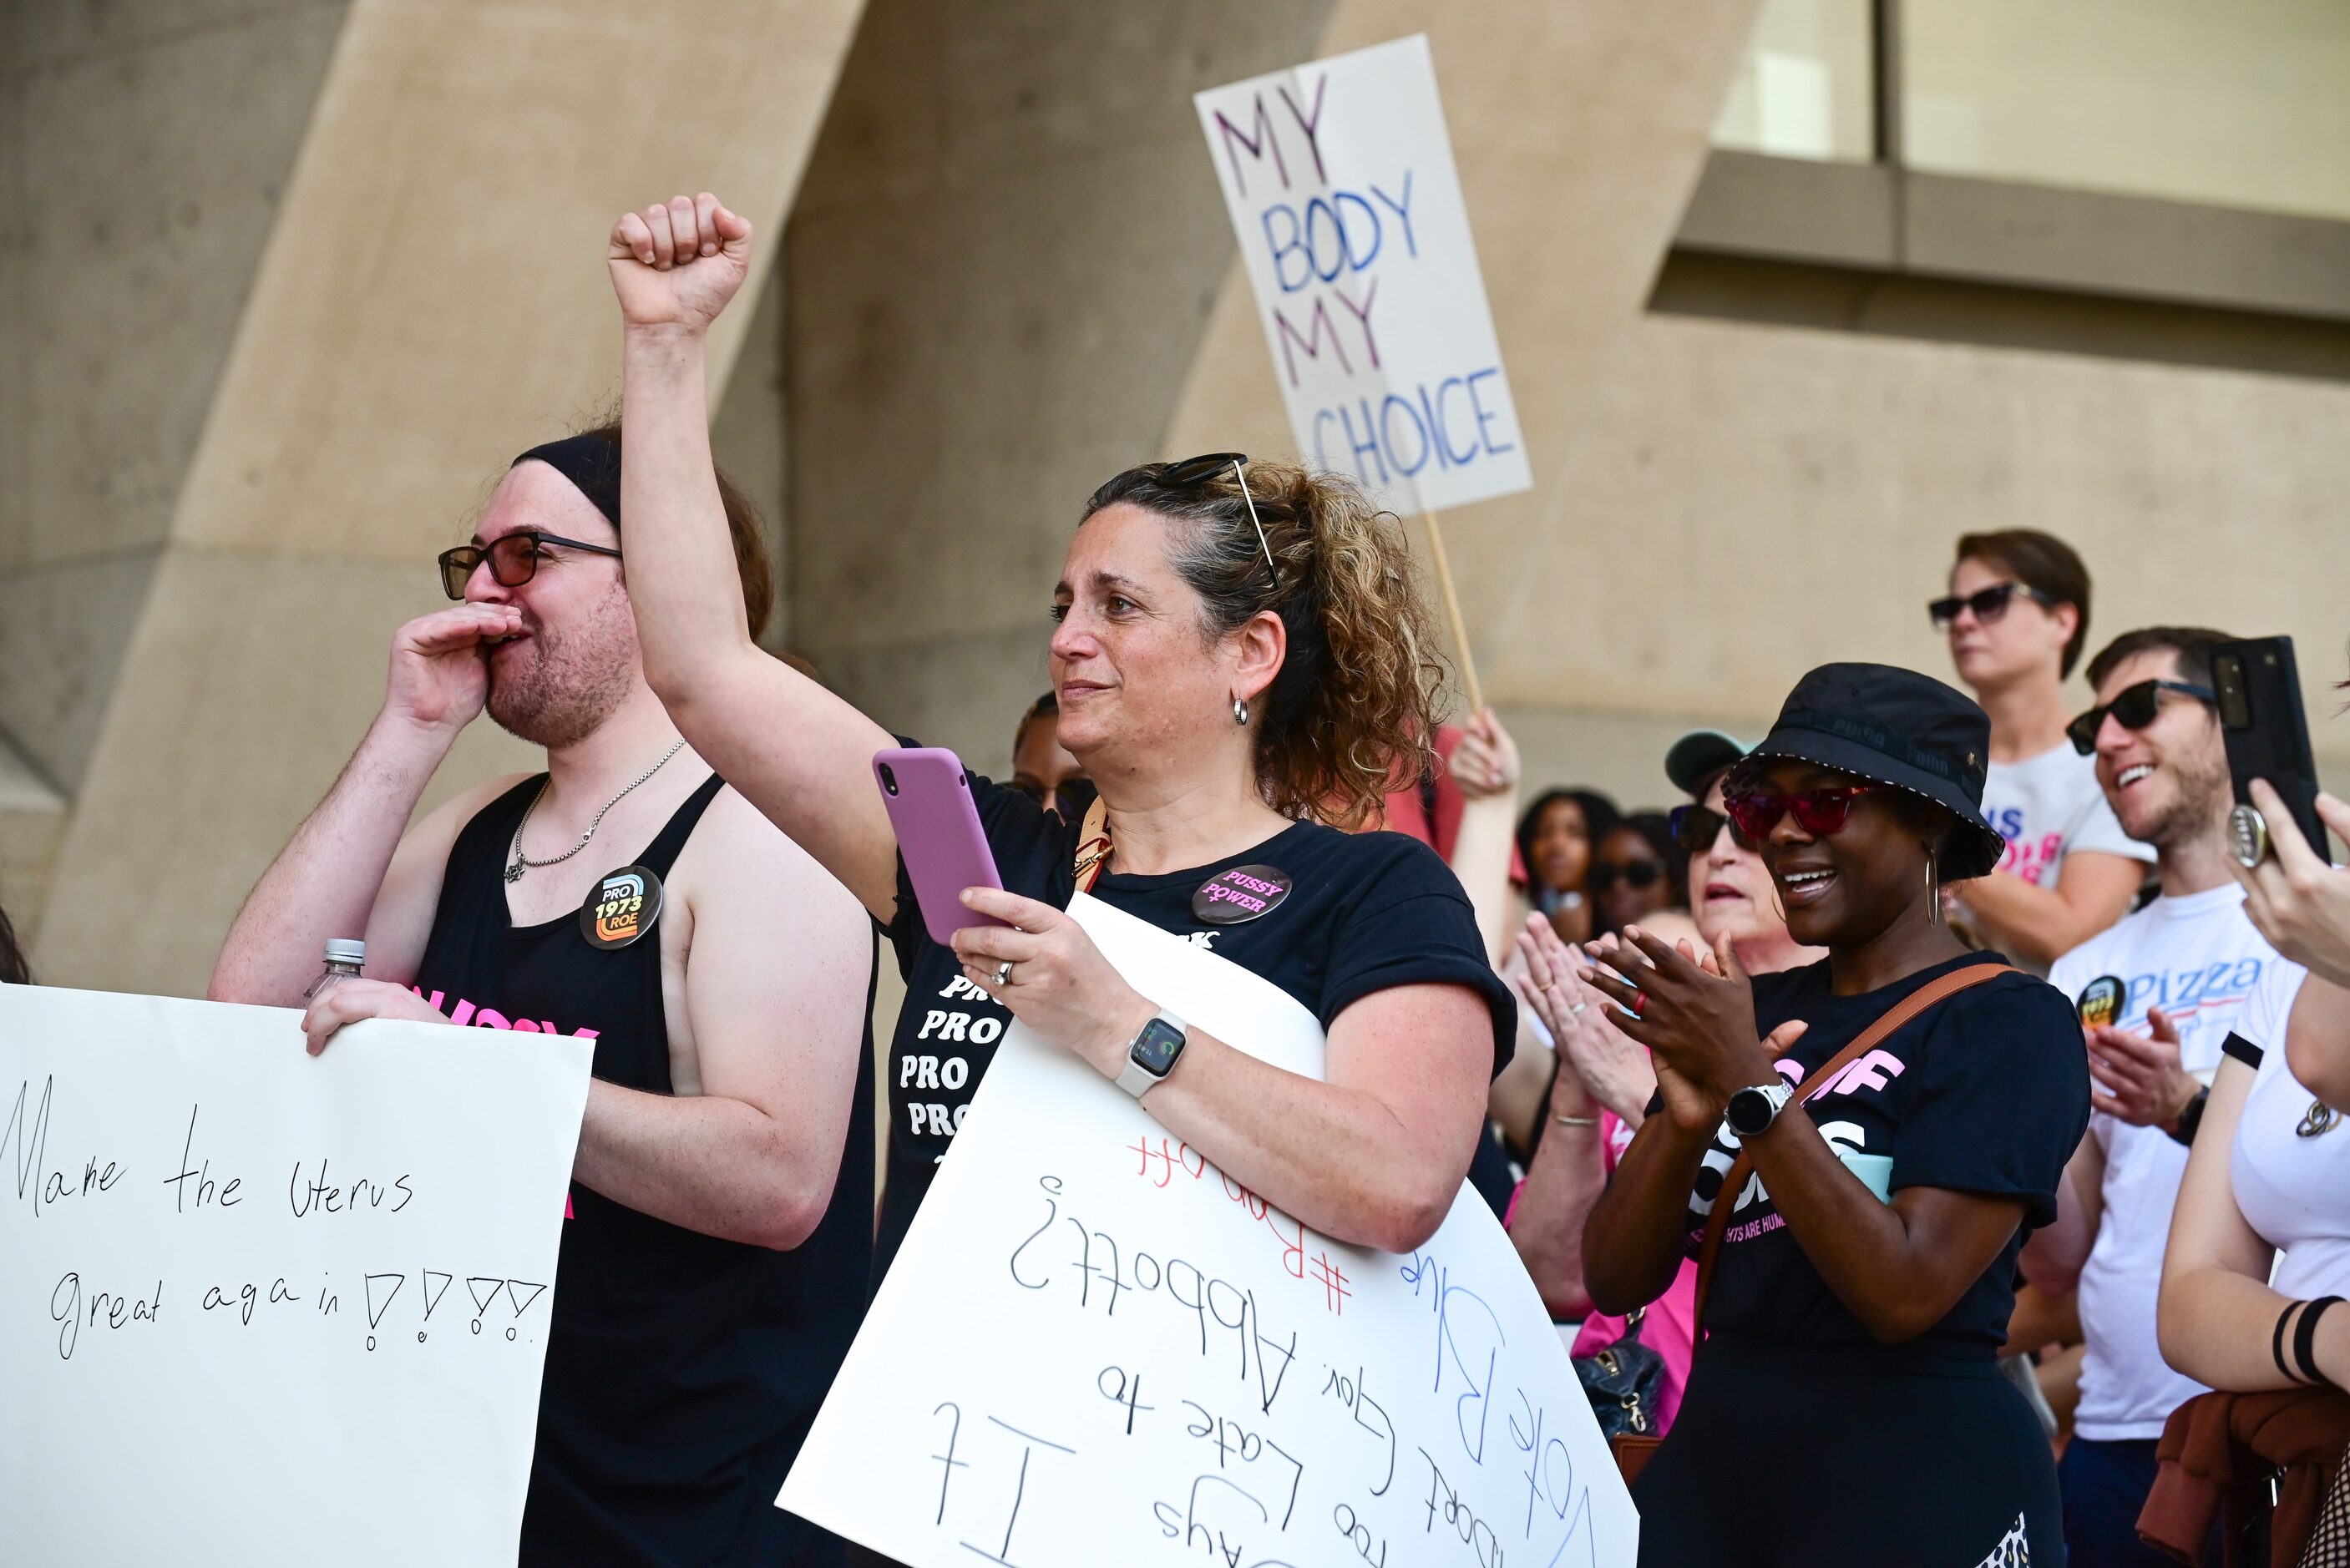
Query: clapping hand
[[2139, 1079], [1614, 1070], [1697, 1020]]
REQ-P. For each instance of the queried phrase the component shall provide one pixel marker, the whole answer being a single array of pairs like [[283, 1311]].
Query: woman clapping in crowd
[[1863, 1274]]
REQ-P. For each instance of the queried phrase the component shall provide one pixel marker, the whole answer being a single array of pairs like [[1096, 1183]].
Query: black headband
[[591, 463]]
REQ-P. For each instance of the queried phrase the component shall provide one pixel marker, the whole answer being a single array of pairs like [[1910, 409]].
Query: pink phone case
[[927, 797]]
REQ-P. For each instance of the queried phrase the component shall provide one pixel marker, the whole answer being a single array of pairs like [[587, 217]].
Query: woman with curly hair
[[1242, 664]]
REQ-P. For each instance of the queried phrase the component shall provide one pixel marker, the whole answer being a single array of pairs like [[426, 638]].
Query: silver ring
[[1578, 1007], [1003, 972]]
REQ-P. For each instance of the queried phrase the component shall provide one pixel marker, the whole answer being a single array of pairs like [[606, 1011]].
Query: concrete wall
[[1000, 265], [132, 212], [432, 298]]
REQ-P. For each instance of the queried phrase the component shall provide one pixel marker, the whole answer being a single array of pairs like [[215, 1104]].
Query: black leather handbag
[[1623, 1381]]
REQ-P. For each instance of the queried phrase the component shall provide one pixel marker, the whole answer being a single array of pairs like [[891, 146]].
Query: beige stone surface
[[430, 298], [144, 150], [1003, 260]]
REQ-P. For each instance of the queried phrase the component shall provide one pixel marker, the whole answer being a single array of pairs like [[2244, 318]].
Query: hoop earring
[[1239, 712], [1933, 889]]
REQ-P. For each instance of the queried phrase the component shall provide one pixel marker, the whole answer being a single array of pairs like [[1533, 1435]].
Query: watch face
[[1749, 1112], [1156, 1048]]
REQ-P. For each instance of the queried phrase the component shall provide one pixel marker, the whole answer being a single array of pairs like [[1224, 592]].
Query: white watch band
[[1138, 1080]]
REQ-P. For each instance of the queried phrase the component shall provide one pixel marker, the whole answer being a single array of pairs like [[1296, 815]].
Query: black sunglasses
[[1063, 798], [1639, 874], [1697, 828], [2133, 707], [512, 558], [1988, 604]]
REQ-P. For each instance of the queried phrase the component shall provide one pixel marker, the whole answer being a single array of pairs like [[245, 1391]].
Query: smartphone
[[927, 797], [2265, 729]]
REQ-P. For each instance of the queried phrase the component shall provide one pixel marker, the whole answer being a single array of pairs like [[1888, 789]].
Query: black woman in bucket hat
[[1853, 1150]]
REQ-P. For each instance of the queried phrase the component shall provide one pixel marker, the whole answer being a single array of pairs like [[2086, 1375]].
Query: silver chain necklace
[[522, 863]]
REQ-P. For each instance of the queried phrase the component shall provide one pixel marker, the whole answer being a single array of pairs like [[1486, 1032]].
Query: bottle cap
[[346, 950]]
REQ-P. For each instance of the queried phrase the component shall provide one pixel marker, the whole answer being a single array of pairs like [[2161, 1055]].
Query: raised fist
[[676, 264]]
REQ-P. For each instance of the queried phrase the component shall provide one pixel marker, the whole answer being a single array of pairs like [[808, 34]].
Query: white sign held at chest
[[1339, 177], [1093, 1347], [261, 1309]]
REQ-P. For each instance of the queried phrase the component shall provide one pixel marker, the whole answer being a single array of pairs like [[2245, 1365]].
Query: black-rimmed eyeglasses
[[513, 559], [2133, 708]]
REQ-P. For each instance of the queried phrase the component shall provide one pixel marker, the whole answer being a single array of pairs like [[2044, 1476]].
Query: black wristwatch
[[1752, 1110], [1154, 1053], [2190, 1119]]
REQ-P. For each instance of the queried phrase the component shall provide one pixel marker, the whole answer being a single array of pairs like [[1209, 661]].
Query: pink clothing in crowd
[[1669, 1327]]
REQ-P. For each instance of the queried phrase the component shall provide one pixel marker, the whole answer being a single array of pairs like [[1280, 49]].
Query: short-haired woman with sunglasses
[[1860, 1145], [1238, 649], [2017, 616]]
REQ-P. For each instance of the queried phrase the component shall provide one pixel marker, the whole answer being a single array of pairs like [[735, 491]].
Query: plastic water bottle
[[345, 956]]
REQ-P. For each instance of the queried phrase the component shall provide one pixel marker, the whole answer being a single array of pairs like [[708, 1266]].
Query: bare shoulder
[[739, 858], [440, 826]]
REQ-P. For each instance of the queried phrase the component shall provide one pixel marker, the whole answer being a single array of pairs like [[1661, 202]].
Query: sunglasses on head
[[2133, 707], [1988, 604], [1818, 812], [513, 559], [1697, 828], [1603, 877]]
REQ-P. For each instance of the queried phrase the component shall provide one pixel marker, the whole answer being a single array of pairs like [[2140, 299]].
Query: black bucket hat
[[1900, 728]]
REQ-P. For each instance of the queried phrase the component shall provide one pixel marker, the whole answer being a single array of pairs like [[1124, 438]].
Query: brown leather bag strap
[[1892, 1019]]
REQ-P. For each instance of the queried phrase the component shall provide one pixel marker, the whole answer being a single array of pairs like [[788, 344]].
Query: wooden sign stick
[[1452, 611]]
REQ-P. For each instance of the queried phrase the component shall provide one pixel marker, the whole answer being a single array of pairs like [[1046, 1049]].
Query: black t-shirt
[[1366, 912], [1988, 1091]]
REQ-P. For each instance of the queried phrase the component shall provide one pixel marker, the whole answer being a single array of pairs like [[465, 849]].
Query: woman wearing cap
[[1238, 648], [1845, 1406]]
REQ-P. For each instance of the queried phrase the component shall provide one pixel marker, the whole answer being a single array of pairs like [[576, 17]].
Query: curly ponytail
[[1352, 710]]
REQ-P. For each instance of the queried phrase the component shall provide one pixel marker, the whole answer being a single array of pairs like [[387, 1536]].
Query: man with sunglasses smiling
[[2158, 994], [2017, 615], [719, 1228]]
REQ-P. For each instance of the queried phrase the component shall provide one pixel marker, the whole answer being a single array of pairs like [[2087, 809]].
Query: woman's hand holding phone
[[1058, 983], [2294, 898]]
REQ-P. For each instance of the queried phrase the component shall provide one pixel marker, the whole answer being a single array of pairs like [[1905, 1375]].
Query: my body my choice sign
[[1339, 177]]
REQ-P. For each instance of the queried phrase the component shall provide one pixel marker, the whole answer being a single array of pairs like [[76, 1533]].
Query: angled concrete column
[[432, 298]]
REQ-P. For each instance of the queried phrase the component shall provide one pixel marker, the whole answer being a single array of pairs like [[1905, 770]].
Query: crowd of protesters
[[1926, 1113]]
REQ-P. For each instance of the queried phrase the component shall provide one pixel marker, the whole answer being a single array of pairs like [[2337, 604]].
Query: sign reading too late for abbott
[[1339, 177]]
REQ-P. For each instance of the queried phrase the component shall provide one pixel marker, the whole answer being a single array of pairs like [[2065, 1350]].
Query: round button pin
[[1240, 895], [621, 908], [2100, 1000]]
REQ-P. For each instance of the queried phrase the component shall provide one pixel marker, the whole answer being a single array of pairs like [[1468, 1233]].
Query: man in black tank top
[[719, 1225]]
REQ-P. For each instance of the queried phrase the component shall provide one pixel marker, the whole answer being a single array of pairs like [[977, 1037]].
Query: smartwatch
[[2190, 1119], [1154, 1053], [1752, 1110]]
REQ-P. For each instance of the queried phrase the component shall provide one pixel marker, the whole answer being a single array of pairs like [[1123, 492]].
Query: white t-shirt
[[2048, 806], [2293, 1190], [2199, 960]]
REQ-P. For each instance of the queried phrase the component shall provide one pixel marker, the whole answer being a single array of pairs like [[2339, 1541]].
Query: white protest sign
[[258, 1308], [1095, 1348], [1339, 177]]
